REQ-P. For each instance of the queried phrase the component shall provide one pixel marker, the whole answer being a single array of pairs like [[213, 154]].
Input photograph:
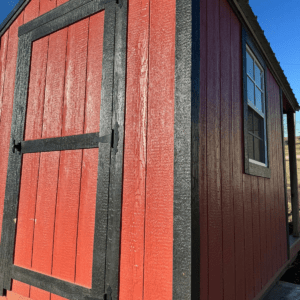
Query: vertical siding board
[[47, 5], [30, 165], [269, 199], [237, 113], [262, 216], [282, 192], [256, 234], [275, 174], [3, 163], [213, 153], [3, 60], [66, 218], [6, 114], [86, 219], [49, 162], [249, 272], [32, 10], [226, 158], [202, 154], [158, 264], [131, 284], [272, 212], [134, 182]]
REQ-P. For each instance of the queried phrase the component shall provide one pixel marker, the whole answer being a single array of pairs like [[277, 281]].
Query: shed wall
[[147, 215], [242, 217]]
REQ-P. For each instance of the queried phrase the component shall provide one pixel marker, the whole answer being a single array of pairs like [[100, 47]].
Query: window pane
[[259, 150], [258, 77], [250, 146], [258, 125], [250, 90], [249, 65], [258, 99]]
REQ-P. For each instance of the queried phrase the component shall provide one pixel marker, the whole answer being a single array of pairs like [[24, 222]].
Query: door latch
[[16, 147]]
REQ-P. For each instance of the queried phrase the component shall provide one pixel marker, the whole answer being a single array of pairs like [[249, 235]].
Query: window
[[255, 110]]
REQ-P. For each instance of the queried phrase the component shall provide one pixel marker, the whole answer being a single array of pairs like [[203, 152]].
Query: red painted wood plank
[[3, 60], [60, 2], [263, 235], [281, 192], [67, 208], [86, 221], [3, 163], [158, 261], [134, 183], [49, 162], [249, 272], [226, 157], [275, 177], [202, 154], [268, 225], [237, 127], [30, 164], [47, 5], [215, 279], [32, 10], [276, 168], [272, 202], [256, 235]]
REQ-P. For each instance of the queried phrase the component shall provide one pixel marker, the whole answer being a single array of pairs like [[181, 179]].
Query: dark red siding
[[242, 217]]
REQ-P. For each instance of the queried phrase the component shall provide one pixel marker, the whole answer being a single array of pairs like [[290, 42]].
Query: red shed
[[142, 152]]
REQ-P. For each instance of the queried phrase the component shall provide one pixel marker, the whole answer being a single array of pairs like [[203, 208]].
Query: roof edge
[[250, 20], [12, 16]]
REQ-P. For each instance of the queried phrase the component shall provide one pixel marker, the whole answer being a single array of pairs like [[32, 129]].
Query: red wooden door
[[61, 161]]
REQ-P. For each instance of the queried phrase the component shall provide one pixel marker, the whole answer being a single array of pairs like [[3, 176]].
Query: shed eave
[[248, 17], [12, 16]]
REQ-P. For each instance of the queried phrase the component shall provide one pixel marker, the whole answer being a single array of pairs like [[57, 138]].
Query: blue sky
[[280, 21]]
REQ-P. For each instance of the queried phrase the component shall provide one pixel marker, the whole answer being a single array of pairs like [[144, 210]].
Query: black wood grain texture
[[182, 214], [116, 167], [100, 236], [82, 141], [14, 161], [284, 177], [51, 284], [63, 12]]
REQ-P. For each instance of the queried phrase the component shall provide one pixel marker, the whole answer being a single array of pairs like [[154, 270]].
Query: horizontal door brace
[[73, 142]]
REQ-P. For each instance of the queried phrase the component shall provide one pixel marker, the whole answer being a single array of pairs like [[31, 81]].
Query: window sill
[[258, 170]]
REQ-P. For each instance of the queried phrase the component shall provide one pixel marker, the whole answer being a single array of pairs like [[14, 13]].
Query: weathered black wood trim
[[12, 16], [109, 188], [51, 284], [257, 170], [64, 12], [182, 211], [116, 166], [251, 168], [81, 141], [100, 235], [284, 177], [14, 162]]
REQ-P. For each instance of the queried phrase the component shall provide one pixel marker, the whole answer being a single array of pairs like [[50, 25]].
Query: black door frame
[[106, 257]]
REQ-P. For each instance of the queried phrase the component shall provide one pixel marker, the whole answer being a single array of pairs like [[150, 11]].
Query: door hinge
[[115, 138], [107, 296], [120, 3], [16, 147]]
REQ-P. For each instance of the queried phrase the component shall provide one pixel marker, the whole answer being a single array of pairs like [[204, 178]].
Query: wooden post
[[293, 172]]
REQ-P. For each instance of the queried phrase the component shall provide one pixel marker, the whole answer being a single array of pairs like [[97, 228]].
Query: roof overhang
[[247, 17]]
